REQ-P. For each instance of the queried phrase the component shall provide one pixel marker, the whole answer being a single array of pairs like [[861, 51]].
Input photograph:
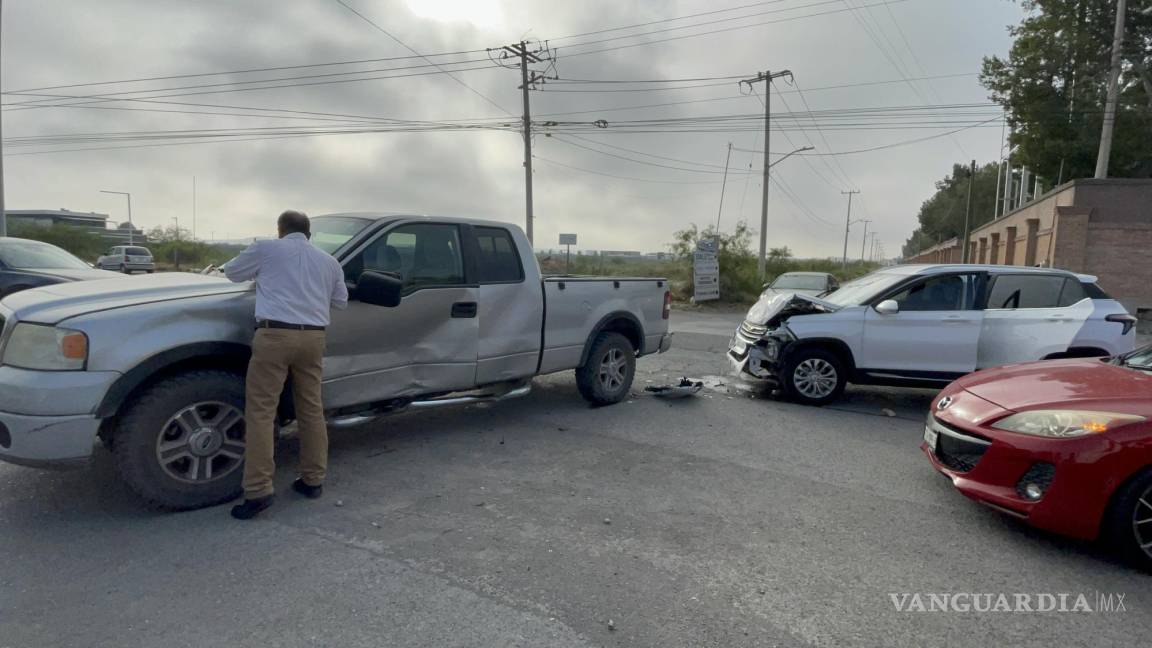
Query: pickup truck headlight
[[1063, 424], [46, 348]]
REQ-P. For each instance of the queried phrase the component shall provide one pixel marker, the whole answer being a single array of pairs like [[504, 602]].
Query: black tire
[[1128, 505], [813, 376], [149, 421], [124, 269], [614, 354]]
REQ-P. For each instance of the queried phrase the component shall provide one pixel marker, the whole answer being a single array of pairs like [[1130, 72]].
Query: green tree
[[941, 217], [1054, 81]]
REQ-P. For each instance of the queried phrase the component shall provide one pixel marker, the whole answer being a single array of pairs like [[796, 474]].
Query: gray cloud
[[242, 185]]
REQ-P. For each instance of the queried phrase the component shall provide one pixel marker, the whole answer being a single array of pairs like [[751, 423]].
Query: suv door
[[425, 345], [935, 334], [511, 308], [1031, 316], [109, 260]]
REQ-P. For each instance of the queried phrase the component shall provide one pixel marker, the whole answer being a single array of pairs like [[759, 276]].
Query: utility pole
[[1113, 94], [767, 78], [177, 248], [964, 253], [847, 225], [3, 214], [723, 186], [193, 208], [864, 239], [528, 81], [872, 250]]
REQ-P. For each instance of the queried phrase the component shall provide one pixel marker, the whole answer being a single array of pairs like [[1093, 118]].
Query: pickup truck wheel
[[814, 376], [606, 377], [181, 444]]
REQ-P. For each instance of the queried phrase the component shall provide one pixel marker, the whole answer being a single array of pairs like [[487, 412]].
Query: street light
[[762, 265], [131, 227]]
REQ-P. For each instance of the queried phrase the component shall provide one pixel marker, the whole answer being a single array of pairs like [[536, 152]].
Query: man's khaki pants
[[277, 354]]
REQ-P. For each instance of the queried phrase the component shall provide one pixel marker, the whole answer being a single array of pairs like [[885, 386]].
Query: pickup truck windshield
[[28, 255], [329, 233], [860, 290]]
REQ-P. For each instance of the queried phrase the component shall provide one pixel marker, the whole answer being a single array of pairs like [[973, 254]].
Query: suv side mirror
[[379, 289], [888, 307]]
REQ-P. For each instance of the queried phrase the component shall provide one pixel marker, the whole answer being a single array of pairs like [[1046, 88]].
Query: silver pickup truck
[[442, 311]]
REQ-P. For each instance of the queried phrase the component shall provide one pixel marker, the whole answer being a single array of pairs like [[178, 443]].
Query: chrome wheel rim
[[613, 367], [202, 443], [815, 378], [1142, 522]]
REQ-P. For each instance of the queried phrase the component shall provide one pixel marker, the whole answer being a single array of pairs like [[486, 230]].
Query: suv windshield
[[800, 282], [28, 255], [331, 232], [860, 290]]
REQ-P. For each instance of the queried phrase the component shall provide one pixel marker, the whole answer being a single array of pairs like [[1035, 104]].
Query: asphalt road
[[730, 519]]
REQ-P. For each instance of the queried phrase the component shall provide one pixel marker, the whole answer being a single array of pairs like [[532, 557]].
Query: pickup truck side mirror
[[379, 289], [888, 307]]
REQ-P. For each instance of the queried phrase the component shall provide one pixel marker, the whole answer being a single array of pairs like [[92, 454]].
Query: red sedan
[[1065, 445]]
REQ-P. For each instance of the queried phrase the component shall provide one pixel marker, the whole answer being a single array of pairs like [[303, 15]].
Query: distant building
[[620, 254], [95, 223], [1096, 227], [47, 217]]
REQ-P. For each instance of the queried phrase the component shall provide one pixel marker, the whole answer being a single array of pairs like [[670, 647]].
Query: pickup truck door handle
[[464, 309]]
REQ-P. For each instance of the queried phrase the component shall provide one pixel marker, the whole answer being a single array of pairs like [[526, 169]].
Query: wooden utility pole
[[766, 77], [528, 79], [723, 186], [964, 252], [847, 226], [1113, 94]]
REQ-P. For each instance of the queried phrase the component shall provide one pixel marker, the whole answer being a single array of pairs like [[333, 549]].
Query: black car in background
[[28, 264]]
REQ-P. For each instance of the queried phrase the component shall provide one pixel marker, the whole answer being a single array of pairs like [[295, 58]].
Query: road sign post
[[706, 270], [568, 240]]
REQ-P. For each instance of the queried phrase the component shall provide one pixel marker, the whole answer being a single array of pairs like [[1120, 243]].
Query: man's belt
[[273, 324]]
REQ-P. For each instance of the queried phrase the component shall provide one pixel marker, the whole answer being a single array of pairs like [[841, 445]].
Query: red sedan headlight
[[1063, 424]]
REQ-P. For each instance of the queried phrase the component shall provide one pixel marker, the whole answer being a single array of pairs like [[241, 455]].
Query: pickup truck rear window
[[499, 261]]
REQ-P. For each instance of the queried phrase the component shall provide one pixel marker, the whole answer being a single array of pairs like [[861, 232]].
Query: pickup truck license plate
[[930, 436]]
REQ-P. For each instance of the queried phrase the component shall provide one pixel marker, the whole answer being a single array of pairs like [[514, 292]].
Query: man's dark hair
[[294, 222]]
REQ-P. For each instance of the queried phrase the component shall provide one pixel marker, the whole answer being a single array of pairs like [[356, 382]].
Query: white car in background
[[801, 283], [127, 259], [926, 325]]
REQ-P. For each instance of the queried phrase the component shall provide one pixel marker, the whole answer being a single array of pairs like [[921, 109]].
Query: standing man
[[296, 286]]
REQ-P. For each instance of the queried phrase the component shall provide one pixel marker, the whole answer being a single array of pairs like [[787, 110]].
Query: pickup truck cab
[[154, 366], [926, 325]]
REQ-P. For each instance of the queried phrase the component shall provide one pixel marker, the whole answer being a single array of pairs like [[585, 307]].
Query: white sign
[[567, 239], [706, 271]]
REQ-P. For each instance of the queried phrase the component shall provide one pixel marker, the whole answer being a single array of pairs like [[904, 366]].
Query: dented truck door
[[425, 345]]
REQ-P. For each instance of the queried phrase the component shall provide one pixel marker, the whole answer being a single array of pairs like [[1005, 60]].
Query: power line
[[410, 49], [280, 68], [705, 33], [620, 177], [667, 20]]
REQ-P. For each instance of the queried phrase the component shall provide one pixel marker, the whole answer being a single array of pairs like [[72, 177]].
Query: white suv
[[925, 325]]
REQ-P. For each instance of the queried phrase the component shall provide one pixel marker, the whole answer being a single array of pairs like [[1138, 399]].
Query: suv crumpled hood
[[771, 310], [52, 304]]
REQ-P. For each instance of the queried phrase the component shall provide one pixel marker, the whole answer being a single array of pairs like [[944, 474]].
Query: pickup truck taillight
[[667, 304]]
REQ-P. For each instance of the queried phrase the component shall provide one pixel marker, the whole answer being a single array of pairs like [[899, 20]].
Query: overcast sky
[[611, 203]]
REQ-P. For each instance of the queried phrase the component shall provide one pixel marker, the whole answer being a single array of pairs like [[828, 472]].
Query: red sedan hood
[[1061, 382]]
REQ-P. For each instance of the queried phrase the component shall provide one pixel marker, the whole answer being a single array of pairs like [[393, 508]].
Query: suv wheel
[[181, 444], [123, 269], [1130, 520], [606, 376], [814, 376]]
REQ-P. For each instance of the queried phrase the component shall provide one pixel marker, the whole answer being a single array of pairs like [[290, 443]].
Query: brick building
[[1096, 227]]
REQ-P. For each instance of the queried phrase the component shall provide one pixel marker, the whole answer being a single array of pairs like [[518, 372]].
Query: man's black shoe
[[311, 492], [250, 508]]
